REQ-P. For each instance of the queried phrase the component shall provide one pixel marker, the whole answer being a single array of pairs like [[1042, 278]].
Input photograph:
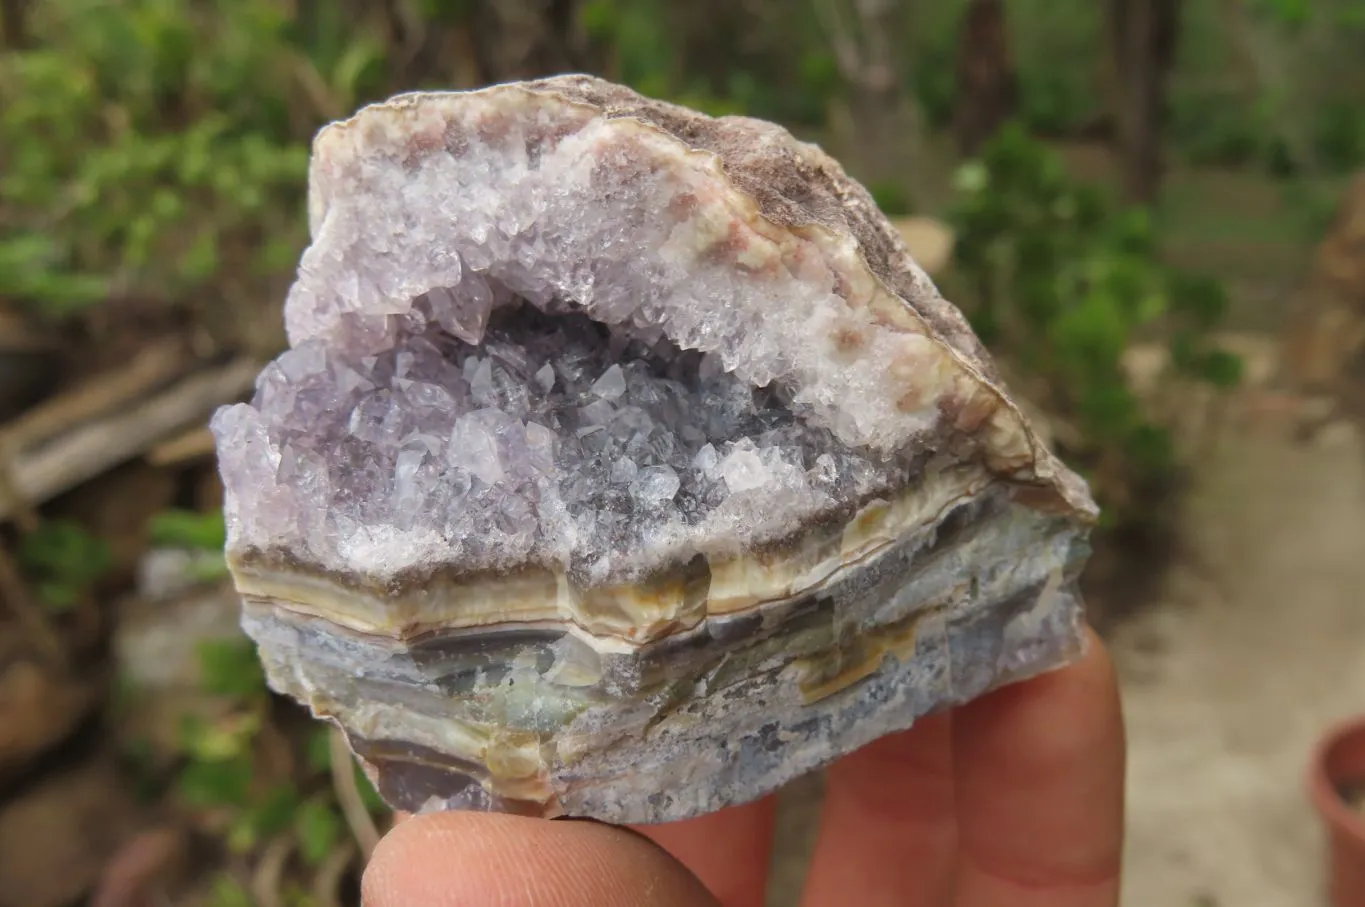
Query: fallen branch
[[195, 444], [267, 879], [153, 367], [37, 472], [330, 875]]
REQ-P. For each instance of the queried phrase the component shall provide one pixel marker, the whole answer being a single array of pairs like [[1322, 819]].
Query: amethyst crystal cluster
[[624, 464]]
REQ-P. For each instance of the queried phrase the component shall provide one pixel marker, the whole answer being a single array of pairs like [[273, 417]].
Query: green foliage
[[219, 768], [1339, 135], [229, 667], [202, 534], [226, 891], [320, 760], [891, 197], [63, 562], [319, 829], [263, 818], [142, 159], [1288, 13], [1217, 128], [189, 529], [933, 64], [1064, 282], [224, 770], [1057, 99]]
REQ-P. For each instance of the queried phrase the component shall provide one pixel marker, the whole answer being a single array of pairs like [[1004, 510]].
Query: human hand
[[1013, 800]]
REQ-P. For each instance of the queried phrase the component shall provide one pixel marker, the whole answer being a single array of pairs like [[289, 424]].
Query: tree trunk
[[1142, 36], [987, 86], [14, 24], [865, 36], [527, 39]]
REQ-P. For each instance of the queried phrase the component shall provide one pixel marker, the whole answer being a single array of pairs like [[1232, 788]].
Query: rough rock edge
[[794, 185]]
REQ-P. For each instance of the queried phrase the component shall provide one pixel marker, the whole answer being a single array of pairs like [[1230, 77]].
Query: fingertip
[[1076, 706], [454, 858], [1040, 784]]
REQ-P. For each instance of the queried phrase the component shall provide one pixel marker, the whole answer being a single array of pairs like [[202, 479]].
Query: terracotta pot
[[1338, 764]]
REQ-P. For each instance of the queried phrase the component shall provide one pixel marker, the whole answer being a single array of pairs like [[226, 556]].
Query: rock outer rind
[[793, 185]]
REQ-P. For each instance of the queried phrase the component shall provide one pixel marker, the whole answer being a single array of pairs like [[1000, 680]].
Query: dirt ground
[[1255, 645]]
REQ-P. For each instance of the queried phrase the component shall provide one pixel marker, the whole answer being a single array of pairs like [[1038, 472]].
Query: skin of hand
[[1014, 800]]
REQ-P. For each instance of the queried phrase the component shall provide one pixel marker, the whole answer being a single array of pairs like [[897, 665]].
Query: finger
[[887, 833], [483, 860], [1040, 790], [728, 850]]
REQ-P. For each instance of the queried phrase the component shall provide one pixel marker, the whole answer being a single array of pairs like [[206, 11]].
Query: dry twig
[[122, 431], [327, 880], [348, 795], [268, 877]]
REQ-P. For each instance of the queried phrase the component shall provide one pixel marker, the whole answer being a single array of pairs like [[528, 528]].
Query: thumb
[[456, 859]]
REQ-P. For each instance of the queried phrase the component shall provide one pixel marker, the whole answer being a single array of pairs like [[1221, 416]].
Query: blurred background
[[1153, 211]]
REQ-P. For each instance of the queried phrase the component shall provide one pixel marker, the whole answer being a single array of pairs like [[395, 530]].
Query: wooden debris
[[28, 365], [195, 444], [72, 439], [155, 366]]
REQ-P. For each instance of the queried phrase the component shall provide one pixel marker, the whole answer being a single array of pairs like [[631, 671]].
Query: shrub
[[1062, 282], [1339, 136], [63, 562], [143, 161], [1216, 128]]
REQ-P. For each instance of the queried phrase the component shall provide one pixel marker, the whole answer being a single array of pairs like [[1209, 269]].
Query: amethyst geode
[[623, 464]]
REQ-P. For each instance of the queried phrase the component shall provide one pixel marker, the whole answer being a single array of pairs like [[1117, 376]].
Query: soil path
[[1258, 646]]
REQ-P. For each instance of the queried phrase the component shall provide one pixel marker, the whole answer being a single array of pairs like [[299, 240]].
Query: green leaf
[[216, 783], [1201, 297], [226, 891], [1289, 13], [59, 596], [319, 752], [597, 18], [892, 197], [319, 829], [971, 178], [229, 667], [209, 570], [1221, 369], [1109, 409], [276, 811], [1152, 448], [368, 795], [189, 529], [200, 261], [63, 561], [1184, 351], [219, 741]]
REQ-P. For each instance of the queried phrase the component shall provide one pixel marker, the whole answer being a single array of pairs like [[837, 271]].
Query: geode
[[624, 464]]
